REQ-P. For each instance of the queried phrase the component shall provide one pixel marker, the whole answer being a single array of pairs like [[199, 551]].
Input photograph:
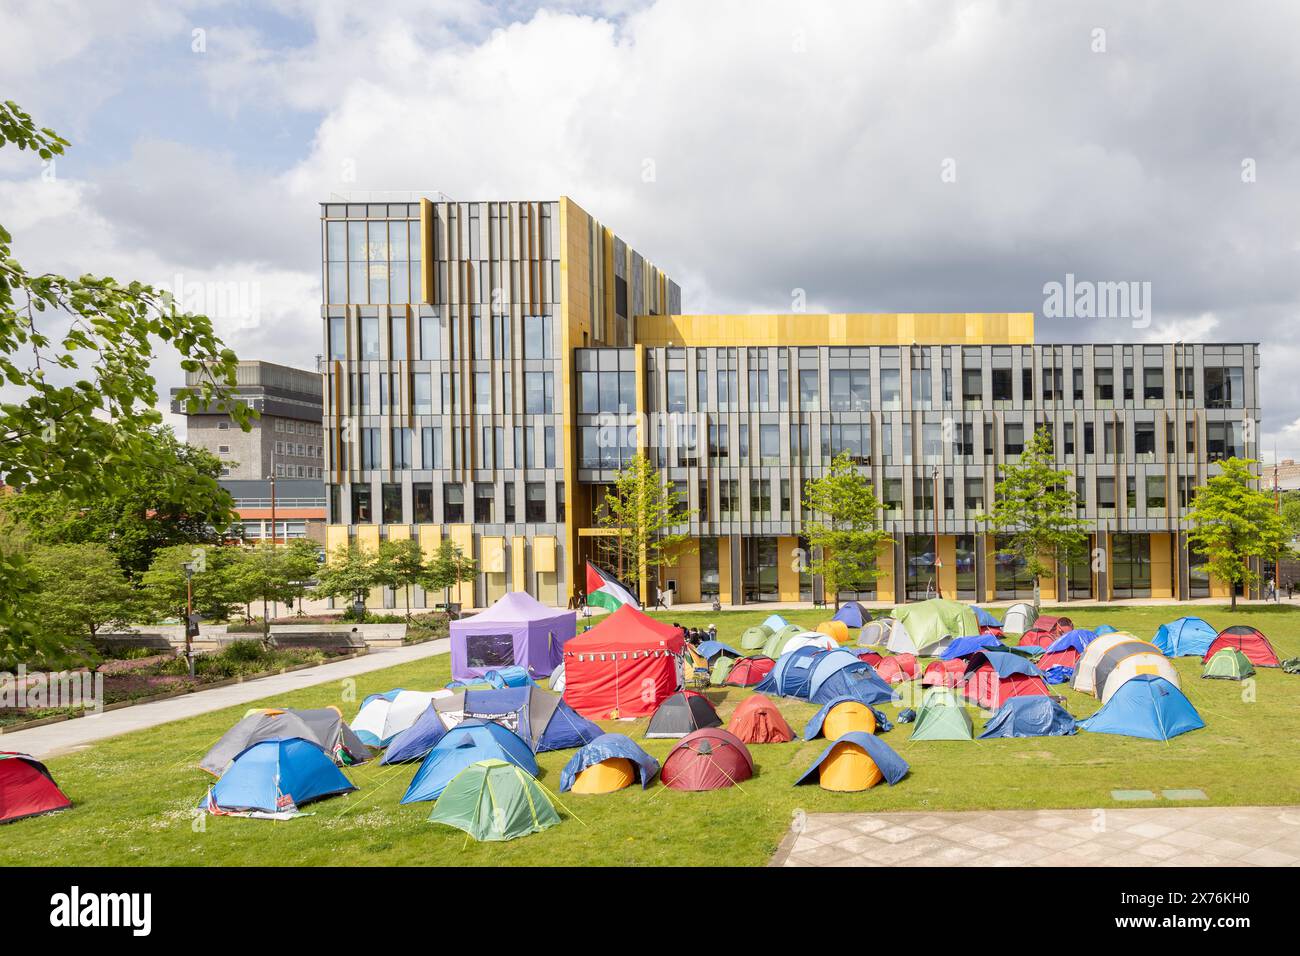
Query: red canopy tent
[[625, 666], [26, 788]]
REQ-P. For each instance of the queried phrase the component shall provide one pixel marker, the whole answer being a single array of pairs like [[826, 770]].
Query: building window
[[710, 579], [538, 393], [760, 499], [539, 337], [1153, 384], [453, 503], [974, 496], [430, 336], [1001, 382], [508, 503], [891, 389], [392, 503], [1224, 388], [1014, 441], [534, 502], [851, 389], [370, 453], [1223, 440], [559, 501], [431, 447], [361, 510], [1130, 565], [369, 337], [1155, 492], [338, 338], [484, 501], [809, 390], [769, 444], [422, 501], [397, 337]]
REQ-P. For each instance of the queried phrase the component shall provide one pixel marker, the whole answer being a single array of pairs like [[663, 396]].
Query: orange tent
[[758, 721]]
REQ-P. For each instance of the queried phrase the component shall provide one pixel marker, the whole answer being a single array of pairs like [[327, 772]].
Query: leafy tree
[[271, 573], [1234, 524], [178, 502], [640, 511], [400, 565], [77, 353], [81, 590], [450, 567], [1290, 505], [211, 579], [1035, 511], [842, 527], [350, 573]]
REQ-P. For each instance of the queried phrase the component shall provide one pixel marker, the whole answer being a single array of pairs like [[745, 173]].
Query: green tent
[[1229, 664], [777, 642], [721, 668], [755, 637], [495, 800], [927, 624], [942, 717]]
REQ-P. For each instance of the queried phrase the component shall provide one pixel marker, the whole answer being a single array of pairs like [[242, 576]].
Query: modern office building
[[492, 365]]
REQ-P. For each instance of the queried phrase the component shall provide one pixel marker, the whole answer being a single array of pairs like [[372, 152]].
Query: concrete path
[[81, 732], [1147, 836]]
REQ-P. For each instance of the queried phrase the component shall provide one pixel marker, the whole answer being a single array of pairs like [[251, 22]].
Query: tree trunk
[[408, 601]]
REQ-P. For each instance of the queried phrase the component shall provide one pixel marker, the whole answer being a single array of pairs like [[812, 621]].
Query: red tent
[[944, 673], [26, 788], [1066, 658], [1249, 641], [1056, 626], [871, 657], [989, 691], [708, 759], [625, 666], [898, 668], [758, 721], [748, 671], [1038, 636]]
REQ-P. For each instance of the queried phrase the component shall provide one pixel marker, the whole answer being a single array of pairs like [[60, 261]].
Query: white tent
[[1143, 662], [557, 680], [1019, 618], [1085, 672], [899, 641], [810, 639], [875, 632], [381, 719]]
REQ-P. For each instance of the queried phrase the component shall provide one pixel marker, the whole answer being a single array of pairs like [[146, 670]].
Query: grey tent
[[323, 726], [542, 720]]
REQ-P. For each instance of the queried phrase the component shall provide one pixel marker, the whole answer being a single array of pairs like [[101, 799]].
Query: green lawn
[[134, 795]]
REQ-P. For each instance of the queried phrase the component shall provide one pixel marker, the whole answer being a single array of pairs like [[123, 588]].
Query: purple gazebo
[[516, 630]]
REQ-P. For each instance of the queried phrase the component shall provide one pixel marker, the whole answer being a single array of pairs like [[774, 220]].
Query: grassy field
[[134, 795]]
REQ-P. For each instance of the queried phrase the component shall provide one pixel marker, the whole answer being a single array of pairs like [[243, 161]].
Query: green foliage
[[450, 566], [163, 586], [1035, 511], [641, 512], [350, 573], [81, 589], [842, 527], [401, 565], [1235, 524], [85, 430]]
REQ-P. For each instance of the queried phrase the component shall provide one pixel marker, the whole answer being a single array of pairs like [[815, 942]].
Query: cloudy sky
[[879, 156]]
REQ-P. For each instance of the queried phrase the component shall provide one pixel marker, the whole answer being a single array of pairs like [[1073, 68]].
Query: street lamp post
[[266, 619], [938, 565], [189, 618]]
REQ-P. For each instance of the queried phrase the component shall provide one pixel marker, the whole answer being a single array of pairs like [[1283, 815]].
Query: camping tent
[[622, 667], [710, 650], [556, 683], [1034, 637], [1185, 637], [1229, 664], [1030, 717], [707, 759], [759, 721], [817, 639], [495, 800], [1066, 649], [928, 626], [755, 638], [1132, 664], [749, 671], [1250, 641], [941, 717], [896, 669], [466, 743], [852, 614], [876, 633], [837, 630], [841, 673], [682, 713], [610, 762], [775, 622], [322, 726], [986, 619], [1145, 706], [26, 788], [993, 677], [543, 720], [1056, 626], [518, 630], [276, 776], [840, 716], [854, 762], [966, 646], [944, 673], [415, 742], [1103, 629], [383, 716], [1085, 672], [790, 675], [1019, 618]]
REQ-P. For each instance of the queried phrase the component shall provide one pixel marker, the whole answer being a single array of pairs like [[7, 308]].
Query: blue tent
[[710, 649], [852, 614], [1030, 717], [840, 673], [1185, 637], [1058, 674], [962, 646], [1075, 640], [608, 747], [1104, 629], [814, 727], [791, 674], [277, 775], [892, 767], [986, 619], [1005, 663], [775, 622], [543, 720], [415, 742], [466, 743], [1145, 706]]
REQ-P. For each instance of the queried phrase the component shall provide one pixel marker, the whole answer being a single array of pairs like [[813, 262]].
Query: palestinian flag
[[603, 590]]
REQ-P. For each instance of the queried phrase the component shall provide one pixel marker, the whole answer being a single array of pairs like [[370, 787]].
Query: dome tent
[[876, 633], [840, 673], [516, 631], [543, 720], [842, 715], [815, 639], [837, 630], [852, 614], [929, 626], [1019, 618], [855, 761], [1030, 717], [790, 675], [944, 673], [383, 716], [415, 742], [942, 717], [1132, 664], [634, 764], [775, 622], [966, 646], [1185, 637], [757, 720], [1229, 664], [1066, 649], [493, 800], [1250, 641], [465, 744], [276, 776], [992, 678], [1145, 706], [682, 713], [1104, 629], [708, 759], [323, 726], [896, 669], [985, 618], [26, 788], [749, 671], [1085, 673], [756, 637]]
